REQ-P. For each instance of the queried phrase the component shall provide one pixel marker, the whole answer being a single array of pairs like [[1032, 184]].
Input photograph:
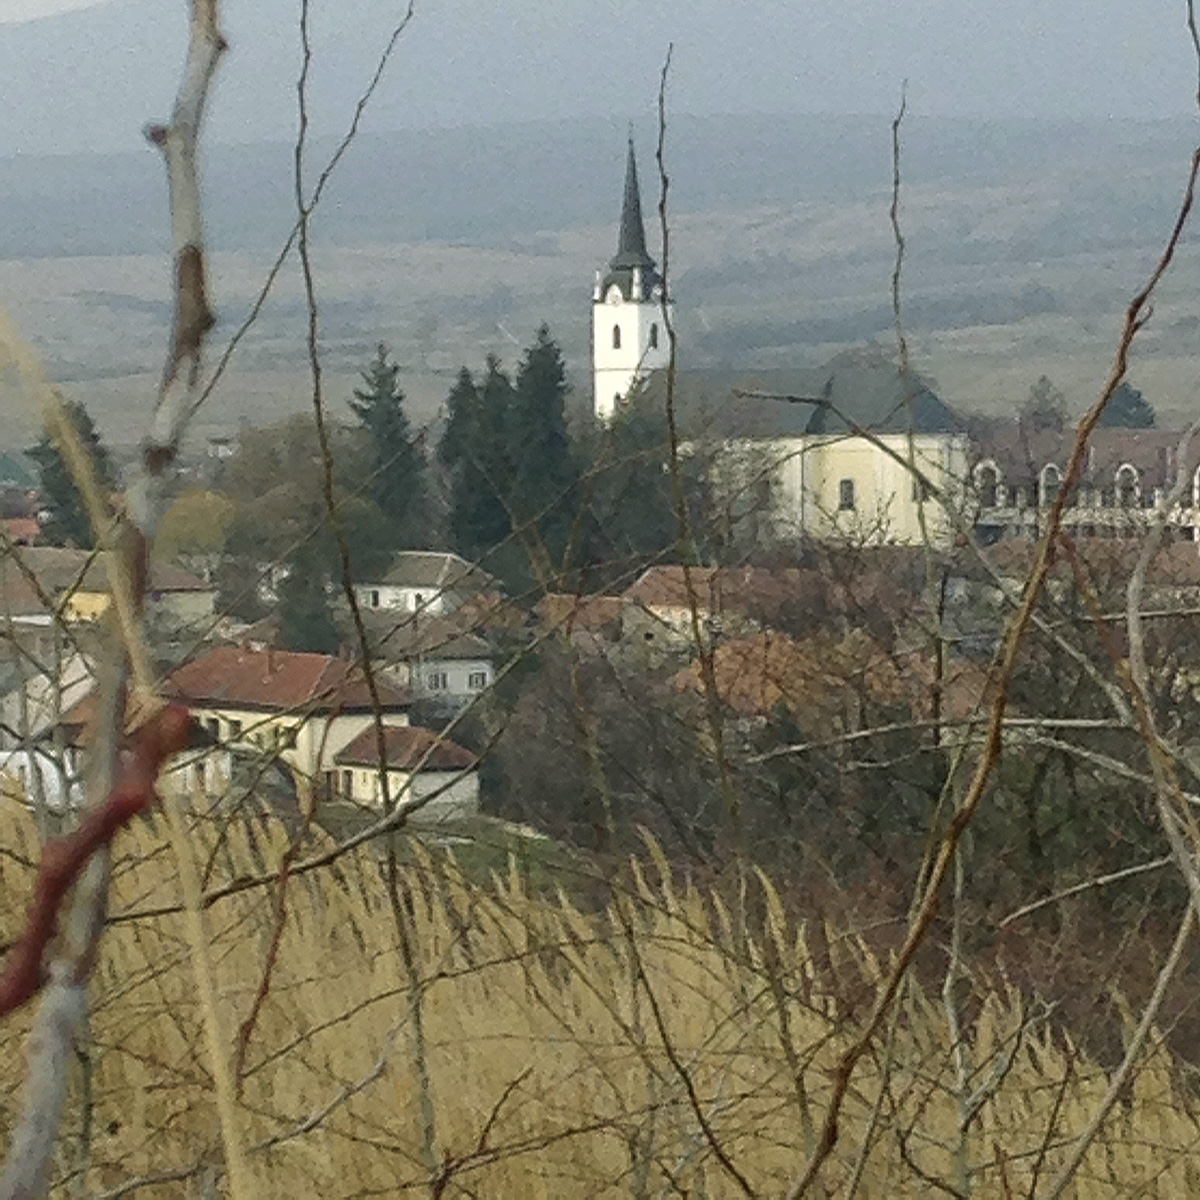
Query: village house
[[657, 607], [303, 711], [44, 668], [436, 662], [432, 582], [78, 583], [303, 708], [424, 770]]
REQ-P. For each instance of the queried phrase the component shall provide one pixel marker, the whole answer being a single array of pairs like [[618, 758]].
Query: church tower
[[628, 337]]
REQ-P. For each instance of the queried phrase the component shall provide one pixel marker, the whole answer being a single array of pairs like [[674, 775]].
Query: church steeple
[[628, 341], [631, 242], [631, 270]]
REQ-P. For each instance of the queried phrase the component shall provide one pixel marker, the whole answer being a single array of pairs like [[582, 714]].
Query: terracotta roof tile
[[747, 590], [406, 746], [579, 612], [818, 677], [282, 680], [1108, 560]]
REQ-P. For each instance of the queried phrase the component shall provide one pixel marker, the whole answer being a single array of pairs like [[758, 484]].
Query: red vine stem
[[64, 858]]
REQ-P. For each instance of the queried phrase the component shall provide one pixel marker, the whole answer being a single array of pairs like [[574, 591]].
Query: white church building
[[835, 462]]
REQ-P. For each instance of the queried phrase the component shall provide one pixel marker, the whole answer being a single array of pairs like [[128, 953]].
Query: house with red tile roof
[[426, 772], [315, 714], [302, 707]]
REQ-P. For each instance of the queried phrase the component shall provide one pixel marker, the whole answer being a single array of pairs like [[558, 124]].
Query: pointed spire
[[631, 242]]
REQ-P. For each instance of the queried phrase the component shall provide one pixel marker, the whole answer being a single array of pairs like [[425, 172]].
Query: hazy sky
[[91, 78]]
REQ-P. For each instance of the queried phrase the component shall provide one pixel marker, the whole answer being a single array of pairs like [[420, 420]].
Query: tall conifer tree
[[473, 451], [305, 620], [398, 486], [67, 523], [543, 467]]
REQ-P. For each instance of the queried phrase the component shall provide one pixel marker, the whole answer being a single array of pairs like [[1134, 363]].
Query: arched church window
[[1050, 482], [654, 336], [616, 337], [987, 483], [1127, 486]]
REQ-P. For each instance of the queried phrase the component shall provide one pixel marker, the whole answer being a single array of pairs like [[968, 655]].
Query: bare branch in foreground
[[115, 793]]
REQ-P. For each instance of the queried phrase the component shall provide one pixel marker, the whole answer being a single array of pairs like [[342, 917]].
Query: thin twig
[[1118, 1081], [1002, 672]]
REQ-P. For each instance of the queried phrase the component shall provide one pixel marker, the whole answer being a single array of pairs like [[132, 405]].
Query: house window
[[213, 725], [347, 784], [654, 336], [920, 490], [285, 737], [235, 730], [374, 599], [616, 337], [418, 599], [438, 681], [846, 495], [477, 681]]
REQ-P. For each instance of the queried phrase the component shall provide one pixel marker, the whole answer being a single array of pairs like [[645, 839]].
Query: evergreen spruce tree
[[305, 622], [67, 523], [1045, 408], [1127, 408], [398, 485], [543, 468], [632, 514], [473, 451]]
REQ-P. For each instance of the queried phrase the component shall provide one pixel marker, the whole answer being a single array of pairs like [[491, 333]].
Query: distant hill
[[1025, 240], [484, 183]]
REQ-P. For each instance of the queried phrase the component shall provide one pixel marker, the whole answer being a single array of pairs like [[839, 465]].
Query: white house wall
[[432, 601], [35, 705], [457, 673], [318, 739], [456, 795]]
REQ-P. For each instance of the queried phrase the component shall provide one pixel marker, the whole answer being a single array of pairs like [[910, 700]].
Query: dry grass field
[[529, 1049]]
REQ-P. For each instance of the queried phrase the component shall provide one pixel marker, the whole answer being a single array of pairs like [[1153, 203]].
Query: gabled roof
[[579, 612], [1108, 561], [437, 570], [276, 680], [829, 399], [397, 636], [746, 590], [818, 675], [880, 398], [62, 568], [406, 746], [18, 596]]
